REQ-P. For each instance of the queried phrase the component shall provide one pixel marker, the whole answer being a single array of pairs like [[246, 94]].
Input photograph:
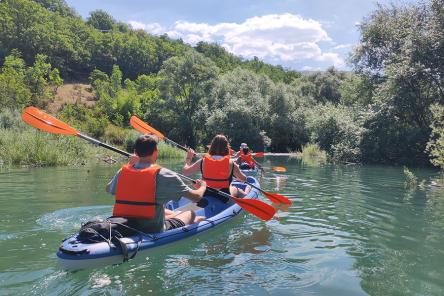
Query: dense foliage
[[387, 111]]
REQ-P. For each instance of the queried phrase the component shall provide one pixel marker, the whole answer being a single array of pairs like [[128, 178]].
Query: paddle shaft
[[104, 145], [175, 144]]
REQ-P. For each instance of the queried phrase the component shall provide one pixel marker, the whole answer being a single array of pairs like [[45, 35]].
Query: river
[[352, 230]]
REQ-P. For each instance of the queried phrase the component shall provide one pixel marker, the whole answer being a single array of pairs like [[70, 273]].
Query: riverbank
[[25, 146]]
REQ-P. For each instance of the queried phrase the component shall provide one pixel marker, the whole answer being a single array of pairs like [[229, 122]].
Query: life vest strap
[[136, 203], [211, 179]]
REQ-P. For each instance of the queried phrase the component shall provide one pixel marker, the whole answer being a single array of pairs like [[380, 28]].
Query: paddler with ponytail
[[217, 168], [142, 187]]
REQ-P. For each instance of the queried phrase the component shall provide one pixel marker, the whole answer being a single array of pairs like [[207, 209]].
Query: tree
[[186, 81], [58, 6], [21, 86], [402, 52], [14, 93], [101, 20], [238, 107]]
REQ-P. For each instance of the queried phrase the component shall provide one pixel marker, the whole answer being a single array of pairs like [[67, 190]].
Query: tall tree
[[186, 81], [101, 20], [402, 51]]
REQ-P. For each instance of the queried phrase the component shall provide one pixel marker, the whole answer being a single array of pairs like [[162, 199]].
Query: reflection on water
[[351, 230]]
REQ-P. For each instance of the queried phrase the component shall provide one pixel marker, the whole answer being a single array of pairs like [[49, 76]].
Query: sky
[[303, 35]]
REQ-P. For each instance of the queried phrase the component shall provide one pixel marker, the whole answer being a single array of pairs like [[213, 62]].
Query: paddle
[[279, 169], [144, 128], [48, 123], [259, 154]]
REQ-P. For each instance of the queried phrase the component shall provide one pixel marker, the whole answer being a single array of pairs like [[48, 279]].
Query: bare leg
[[186, 217], [199, 218]]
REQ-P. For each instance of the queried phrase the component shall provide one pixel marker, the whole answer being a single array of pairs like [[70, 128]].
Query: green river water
[[352, 230]]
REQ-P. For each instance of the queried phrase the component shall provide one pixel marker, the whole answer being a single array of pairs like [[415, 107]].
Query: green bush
[[411, 181], [337, 130], [312, 155], [90, 121], [435, 146]]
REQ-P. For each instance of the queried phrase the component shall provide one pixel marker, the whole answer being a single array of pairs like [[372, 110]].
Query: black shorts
[[222, 198], [173, 223]]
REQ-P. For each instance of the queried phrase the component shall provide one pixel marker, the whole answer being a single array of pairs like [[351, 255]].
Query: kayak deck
[[73, 254], [251, 172]]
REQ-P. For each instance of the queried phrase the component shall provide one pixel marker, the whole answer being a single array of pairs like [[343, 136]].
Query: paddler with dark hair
[[142, 187], [217, 168]]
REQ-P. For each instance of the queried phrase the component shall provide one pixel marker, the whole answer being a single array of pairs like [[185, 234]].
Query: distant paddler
[[245, 158]]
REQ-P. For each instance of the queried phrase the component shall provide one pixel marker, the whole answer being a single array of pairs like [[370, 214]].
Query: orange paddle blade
[[39, 119], [279, 169], [259, 154], [144, 128], [277, 198], [256, 207]]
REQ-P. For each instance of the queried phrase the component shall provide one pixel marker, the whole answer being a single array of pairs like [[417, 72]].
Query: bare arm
[[238, 173], [196, 194], [189, 168]]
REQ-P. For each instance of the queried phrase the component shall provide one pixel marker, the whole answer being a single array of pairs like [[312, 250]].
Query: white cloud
[[276, 37], [153, 28], [310, 68], [332, 58], [343, 46]]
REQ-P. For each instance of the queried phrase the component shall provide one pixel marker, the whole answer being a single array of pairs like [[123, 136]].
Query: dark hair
[[219, 146], [145, 145]]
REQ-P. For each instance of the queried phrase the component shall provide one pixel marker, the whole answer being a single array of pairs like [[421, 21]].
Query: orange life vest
[[217, 172], [136, 192], [248, 158]]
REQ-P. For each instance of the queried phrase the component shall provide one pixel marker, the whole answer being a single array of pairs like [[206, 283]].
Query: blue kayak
[[73, 254], [251, 172]]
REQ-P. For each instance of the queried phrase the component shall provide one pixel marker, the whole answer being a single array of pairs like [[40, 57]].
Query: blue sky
[[297, 34]]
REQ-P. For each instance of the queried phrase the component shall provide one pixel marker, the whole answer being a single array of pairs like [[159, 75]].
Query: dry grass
[[71, 93]]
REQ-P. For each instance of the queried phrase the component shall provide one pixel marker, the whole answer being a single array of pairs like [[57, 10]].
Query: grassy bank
[[22, 145], [30, 147], [34, 148], [167, 151]]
